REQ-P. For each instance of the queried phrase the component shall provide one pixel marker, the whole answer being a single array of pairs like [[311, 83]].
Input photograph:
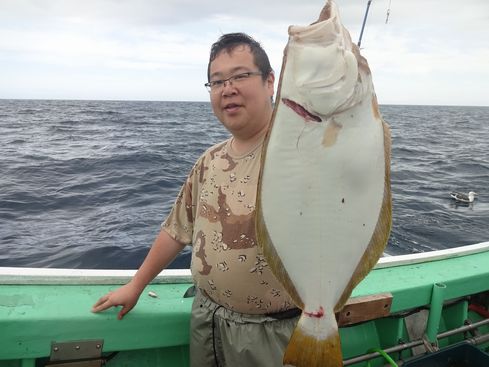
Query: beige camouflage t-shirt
[[215, 211]]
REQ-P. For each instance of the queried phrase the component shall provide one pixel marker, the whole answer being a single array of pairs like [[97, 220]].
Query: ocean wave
[[86, 184]]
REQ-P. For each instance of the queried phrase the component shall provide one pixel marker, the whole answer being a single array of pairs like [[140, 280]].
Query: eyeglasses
[[215, 86]]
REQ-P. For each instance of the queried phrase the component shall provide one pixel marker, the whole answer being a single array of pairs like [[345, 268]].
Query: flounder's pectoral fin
[[308, 349]]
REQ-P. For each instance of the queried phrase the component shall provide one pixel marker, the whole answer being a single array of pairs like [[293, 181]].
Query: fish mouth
[[301, 111]]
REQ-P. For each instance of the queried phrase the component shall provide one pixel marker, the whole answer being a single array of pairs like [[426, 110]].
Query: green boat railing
[[43, 309]]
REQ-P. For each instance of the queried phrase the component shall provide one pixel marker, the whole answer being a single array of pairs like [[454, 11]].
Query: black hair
[[228, 42]]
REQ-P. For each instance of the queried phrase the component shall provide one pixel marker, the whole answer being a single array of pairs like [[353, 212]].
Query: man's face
[[244, 108]]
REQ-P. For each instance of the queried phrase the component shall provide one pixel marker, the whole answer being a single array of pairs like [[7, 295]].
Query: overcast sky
[[429, 52]]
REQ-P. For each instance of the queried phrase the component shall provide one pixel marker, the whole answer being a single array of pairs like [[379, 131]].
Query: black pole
[[364, 22]]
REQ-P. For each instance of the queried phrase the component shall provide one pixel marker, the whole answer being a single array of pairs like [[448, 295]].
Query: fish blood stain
[[317, 314]]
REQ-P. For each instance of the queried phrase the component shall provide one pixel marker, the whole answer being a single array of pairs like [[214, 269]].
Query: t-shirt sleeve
[[180, 222]]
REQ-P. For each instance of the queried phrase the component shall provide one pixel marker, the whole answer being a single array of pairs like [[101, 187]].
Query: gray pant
[[223, 338]]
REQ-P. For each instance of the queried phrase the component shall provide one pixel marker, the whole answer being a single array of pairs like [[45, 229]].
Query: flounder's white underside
[[321, 197]]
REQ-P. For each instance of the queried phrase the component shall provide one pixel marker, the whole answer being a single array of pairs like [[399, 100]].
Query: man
[[241, 315]]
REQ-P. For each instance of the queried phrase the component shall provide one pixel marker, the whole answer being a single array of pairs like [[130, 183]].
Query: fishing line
[[388, 12], [299, 137]]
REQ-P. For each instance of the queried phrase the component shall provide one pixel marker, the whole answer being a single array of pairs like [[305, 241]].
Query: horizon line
[[196, 101]]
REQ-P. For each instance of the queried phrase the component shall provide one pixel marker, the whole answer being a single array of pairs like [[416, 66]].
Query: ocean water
[[86, 184]]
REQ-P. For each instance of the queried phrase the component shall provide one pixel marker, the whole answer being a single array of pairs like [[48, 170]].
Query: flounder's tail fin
[[311, 346]]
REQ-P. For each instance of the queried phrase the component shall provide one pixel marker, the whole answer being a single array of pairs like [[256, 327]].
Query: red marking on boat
[[479, 309], [316, 314]]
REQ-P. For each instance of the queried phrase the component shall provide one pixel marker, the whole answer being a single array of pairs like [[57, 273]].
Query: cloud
[[167, 43]]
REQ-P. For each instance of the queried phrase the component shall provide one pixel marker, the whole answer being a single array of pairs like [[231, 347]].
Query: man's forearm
[[161, 254]]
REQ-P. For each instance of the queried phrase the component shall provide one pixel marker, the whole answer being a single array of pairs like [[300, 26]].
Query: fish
[[324, 206]]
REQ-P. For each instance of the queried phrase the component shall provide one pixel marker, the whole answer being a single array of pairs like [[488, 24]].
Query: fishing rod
[[364, 22], [365, 19]]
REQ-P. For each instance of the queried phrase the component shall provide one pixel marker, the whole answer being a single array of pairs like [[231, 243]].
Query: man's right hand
[[126, 296], [162, 252]]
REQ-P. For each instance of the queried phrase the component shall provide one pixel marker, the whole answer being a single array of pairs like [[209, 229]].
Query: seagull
[[463, 198]]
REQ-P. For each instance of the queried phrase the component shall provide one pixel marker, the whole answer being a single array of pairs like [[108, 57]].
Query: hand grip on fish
[[324, 199]]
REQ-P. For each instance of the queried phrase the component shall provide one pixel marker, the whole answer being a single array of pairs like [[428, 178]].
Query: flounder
[[324, 199]]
